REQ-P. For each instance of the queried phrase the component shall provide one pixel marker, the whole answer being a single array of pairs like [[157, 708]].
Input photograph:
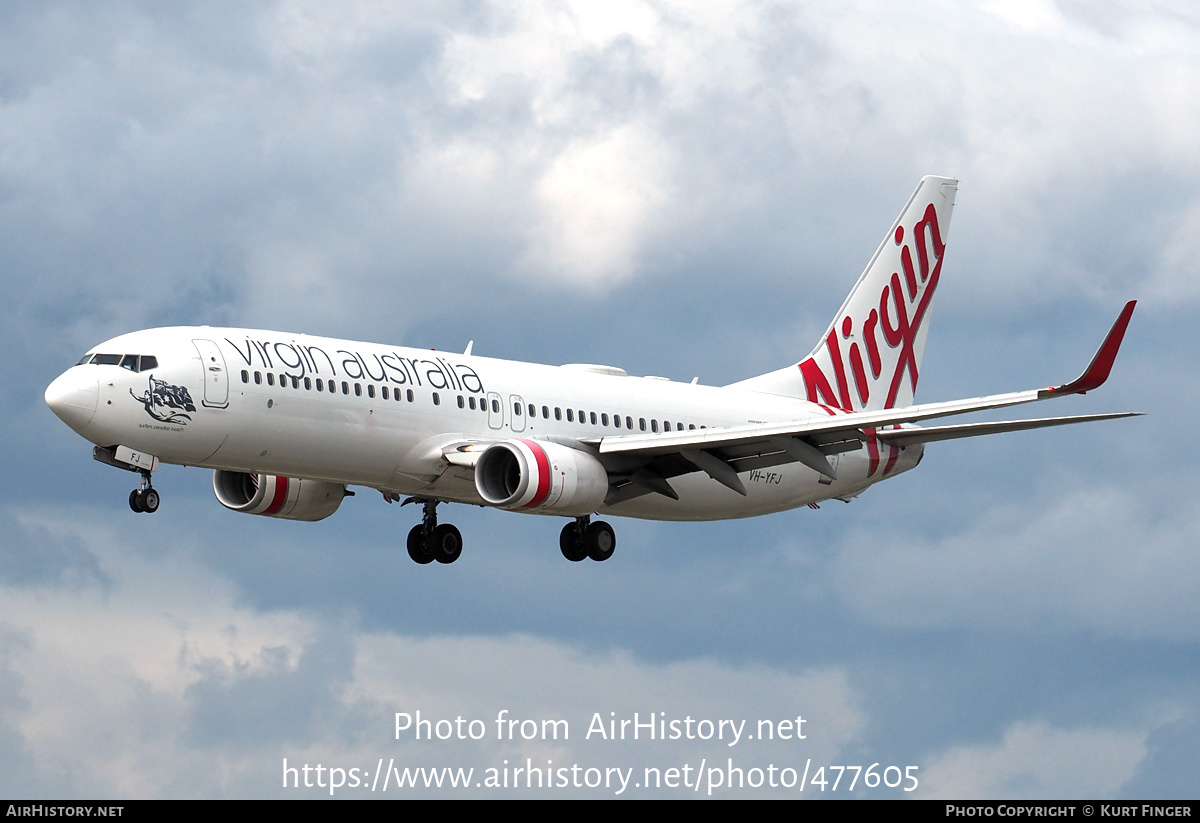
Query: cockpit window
[[133, 362]]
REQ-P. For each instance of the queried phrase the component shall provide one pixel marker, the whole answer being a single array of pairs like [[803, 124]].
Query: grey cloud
[[407, 174]]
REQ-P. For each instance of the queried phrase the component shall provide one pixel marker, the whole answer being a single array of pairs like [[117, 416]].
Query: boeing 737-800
[[289, 421]]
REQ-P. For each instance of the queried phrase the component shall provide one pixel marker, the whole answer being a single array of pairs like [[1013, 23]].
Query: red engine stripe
[[543, 470], [281, 489]]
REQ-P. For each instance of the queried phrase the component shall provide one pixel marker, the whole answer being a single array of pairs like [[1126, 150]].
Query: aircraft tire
[[135, 500], [149, 501], [568, 546], [600, 541], [447, 543], [416, 546]]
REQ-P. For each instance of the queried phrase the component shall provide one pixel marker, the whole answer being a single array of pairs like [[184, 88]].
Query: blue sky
[[674, 189]]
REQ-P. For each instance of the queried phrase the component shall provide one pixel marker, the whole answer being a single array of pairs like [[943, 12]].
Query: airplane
[[287, 422]]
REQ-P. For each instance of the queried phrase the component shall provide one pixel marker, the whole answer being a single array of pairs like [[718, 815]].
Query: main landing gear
[[583, 538], [145, 497], [428, 541]]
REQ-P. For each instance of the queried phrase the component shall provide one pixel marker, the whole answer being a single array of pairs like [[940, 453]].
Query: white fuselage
[[381, 416]]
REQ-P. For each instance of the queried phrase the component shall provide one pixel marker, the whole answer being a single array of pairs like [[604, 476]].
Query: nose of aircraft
[[73, 397]]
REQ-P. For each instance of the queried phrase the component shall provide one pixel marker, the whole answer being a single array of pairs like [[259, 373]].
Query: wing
[[643, 463]]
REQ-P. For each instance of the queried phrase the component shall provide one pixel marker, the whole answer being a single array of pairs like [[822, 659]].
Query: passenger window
[[570, 416], [258, 378], [245, 376], [462, 404], [517, 409], [411, 396], [371, 390], [496, 406], [385, 392], [629, 423], [308, 384], [270, 379], [532, 410], [617, 420], [653, 426], [603, 419], [437, 399], [546, 412], [557, 413], [594, 419], [642, 423]]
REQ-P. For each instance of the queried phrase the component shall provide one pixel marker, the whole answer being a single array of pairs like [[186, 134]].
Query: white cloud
[[597, 201], [1035, 760], [163, 684]]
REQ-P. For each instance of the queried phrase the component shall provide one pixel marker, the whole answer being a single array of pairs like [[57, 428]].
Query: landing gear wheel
[[416, 546], [570, 544], [446, 543], [149, 501], [600, 541], [135, 500]]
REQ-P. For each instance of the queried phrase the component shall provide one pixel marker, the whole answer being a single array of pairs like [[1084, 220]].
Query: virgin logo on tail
[[876, 341]]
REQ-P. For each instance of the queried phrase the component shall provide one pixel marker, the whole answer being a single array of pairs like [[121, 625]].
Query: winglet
[[1097, 371]]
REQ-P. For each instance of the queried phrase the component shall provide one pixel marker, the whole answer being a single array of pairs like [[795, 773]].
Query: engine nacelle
[[537, 476], [274, 496]]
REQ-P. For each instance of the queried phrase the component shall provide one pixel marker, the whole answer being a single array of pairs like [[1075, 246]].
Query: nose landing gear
[[145, 497]]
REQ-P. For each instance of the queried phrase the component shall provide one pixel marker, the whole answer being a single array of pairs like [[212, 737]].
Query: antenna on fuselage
[[467, 350]]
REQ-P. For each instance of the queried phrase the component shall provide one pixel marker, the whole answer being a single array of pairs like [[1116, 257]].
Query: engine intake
[[289, 498], [538, 476]]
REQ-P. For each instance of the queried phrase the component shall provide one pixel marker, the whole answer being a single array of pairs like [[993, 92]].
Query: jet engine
[[286, 497], [537, 476]]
